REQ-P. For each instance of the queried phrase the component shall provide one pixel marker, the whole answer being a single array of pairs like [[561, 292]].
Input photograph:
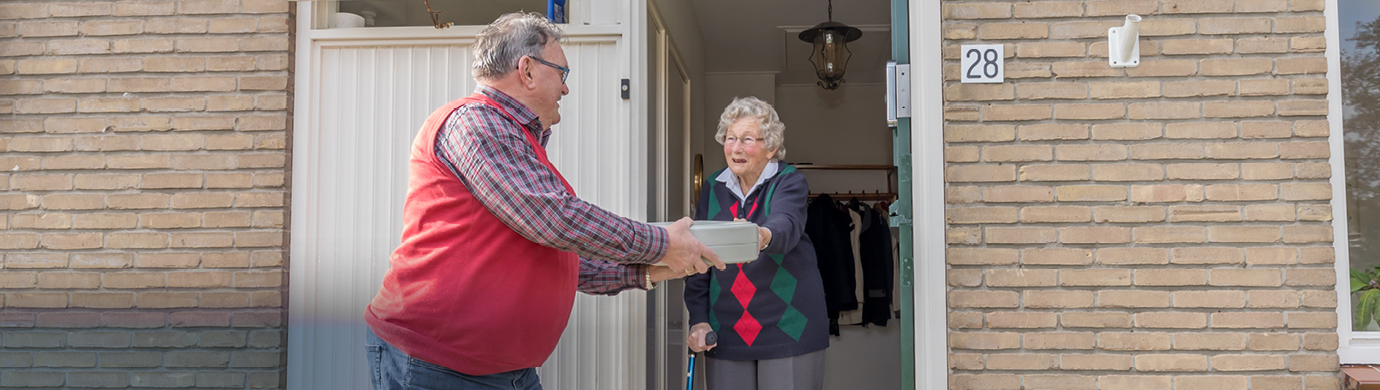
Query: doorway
[[838, 138]]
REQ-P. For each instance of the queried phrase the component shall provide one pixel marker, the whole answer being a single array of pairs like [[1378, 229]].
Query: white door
[[362, 93]]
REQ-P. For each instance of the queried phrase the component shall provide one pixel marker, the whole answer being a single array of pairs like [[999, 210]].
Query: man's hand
[[685, 251], [696, 339], [661, 274]]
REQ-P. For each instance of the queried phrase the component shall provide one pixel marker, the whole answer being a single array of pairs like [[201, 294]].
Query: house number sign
[[983, 64]]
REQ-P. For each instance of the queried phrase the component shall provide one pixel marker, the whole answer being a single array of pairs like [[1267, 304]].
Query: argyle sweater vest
[[772, 307]]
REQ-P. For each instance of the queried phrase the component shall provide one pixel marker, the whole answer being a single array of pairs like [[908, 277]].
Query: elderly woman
[[769, 314]]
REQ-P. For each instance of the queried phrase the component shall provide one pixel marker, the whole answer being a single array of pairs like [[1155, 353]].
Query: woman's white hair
[[502, 43], [773, 131]]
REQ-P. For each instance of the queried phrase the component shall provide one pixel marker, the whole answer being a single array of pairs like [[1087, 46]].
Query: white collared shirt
[[727, 177]]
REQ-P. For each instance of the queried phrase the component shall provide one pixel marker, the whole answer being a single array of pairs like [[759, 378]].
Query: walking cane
[[710, 338]]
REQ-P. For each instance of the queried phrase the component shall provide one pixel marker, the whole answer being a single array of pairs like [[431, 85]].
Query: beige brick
[[1198, 46], [1307, 44], [1053, 299], [1237, 67], [106, 105], [1091, 193], [105, 221], [1018, 112], [1166, 151], [1309, 277], [1095, 320], [24, 11], [1310, 86], [1259, 320], [73, 202], [1314, 320], [40, 29], [1171, 362], [1060, 172], [1238, 109], [964, 236], [1021, 278], [41, 221], [1201, 130], [993, 382], [1059, 90], [69, 241], [1170, 277], [111, 65], [140, 240], [1202, 171], [1095, 277], [964, 277], [36, 301], [1132, 299], [983, 299], [1206, 213], [1302, 108], [1198, 88], [1242, 192], [1304, 150], [1095, 362], [1222, 382], [103, 300], [1139, 111], [1303, 24], [951, 153], [1044, 132], [1168, 234], [980, 173], [1167, 27], [1021, 361], [29, 260], [1236, 25], [98, 28], [1128, 172], [1023, 30], [1051, 50], [1320, 341], [1055, 214], [1262, 256], [1210, 299], [967, 215], [1088, 69], [1163, 68], [1262, 45], [1171, 320], [1056, 256], [68, 280], [1206, 255], [1021, 320], [1011, 153], [1247, 362], [171, 180], [1260, 129], [1264, 87], [165, 300], [1089, 111], [202, 240], [1272, 299], [1270, 212], [45, 106], [1267, 171], [1021, 194], [1128, 214], [1167, 193], [1308, 234]]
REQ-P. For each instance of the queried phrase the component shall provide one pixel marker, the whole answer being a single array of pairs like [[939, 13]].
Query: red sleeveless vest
[[465, 291]]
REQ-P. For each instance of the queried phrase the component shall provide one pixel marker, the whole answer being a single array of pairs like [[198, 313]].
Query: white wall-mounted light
[[1123, 43]]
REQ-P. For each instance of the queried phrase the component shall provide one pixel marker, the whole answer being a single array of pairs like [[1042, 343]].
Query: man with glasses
[[495, 243]]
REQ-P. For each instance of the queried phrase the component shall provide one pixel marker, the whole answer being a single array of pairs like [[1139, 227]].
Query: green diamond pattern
[[792, 322], [714, 290]]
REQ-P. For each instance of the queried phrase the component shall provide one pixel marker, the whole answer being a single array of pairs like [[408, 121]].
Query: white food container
[[734, 242]]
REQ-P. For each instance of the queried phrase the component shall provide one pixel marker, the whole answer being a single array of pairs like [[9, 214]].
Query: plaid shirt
[[491, 156]]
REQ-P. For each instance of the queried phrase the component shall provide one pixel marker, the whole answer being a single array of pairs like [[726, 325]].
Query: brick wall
[[143, 155], [1165, 225]]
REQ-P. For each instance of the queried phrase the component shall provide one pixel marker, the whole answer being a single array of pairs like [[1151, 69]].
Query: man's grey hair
[[502, 43], [763, 114]]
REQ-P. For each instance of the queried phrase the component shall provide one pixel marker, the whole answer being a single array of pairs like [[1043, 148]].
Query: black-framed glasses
[[565, 72]]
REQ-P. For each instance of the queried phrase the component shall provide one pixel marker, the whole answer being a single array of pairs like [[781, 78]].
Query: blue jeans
[[391, 369]]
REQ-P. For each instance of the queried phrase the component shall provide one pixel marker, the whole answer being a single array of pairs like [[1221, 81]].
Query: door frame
[[927, 176]]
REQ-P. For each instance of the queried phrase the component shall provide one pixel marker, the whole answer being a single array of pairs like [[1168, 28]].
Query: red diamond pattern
[[743, 289], [748, 328]]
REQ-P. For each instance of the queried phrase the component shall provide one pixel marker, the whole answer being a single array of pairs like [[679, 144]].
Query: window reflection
[[1359, 28]]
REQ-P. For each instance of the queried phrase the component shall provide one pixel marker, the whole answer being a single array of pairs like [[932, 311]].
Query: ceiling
[[760, 36]]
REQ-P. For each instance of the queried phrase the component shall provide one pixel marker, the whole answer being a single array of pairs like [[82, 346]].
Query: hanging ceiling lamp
[[831, 53]]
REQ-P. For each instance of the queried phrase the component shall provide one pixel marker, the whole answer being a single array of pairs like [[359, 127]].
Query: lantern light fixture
[[830, 55]]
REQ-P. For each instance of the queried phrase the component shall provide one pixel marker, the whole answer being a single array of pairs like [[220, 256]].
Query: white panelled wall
[[361, 96]]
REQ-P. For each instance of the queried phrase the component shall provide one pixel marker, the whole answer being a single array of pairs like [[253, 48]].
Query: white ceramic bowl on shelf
[[734, 242]]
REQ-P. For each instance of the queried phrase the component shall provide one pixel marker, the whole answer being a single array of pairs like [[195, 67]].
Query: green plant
[[1366, 284]]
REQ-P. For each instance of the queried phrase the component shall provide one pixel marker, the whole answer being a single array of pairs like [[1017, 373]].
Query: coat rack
[[890, 170]]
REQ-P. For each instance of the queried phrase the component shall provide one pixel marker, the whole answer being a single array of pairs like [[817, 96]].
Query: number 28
[[987, 58]]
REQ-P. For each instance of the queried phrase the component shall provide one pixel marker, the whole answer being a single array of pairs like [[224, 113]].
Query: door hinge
[[897, 92]]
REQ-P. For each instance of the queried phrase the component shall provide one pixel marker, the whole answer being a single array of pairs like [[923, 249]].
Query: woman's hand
[[763, 235], [696, 339]]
